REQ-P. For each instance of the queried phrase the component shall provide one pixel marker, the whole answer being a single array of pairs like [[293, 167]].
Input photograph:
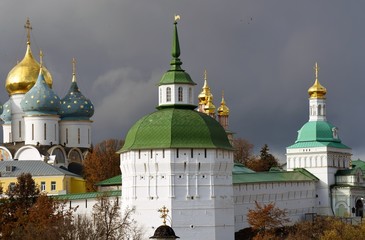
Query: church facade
[[38, 125]]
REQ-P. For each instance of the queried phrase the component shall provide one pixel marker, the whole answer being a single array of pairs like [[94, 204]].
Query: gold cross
[[163, 212], [177, 17], [28, 28], [316, 69], [205, 74]]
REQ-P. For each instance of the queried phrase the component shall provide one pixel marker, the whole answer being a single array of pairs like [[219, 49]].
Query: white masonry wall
[[194, 184], [297, 198]]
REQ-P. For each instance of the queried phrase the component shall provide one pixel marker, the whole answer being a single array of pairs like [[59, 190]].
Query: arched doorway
[[359, 208]]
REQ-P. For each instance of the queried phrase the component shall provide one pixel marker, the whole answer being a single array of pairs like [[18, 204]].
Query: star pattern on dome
[[75, 105], [40, 98]]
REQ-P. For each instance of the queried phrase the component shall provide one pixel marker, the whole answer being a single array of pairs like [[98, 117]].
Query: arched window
[[168, 94], [320, 110], [180, 94]]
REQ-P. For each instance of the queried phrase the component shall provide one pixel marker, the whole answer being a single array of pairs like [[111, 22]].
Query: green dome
[[317, 131], [176, 128], [318, 134]]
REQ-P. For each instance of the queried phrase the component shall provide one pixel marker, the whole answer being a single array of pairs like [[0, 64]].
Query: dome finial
[[316, 69], [73, 70], [175, 49], [177, 17], [317, 90], [40, 59], [28, 28], [164, 211]]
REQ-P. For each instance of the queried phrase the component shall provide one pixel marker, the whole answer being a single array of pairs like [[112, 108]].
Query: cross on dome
[[164, 211], [28, 28]]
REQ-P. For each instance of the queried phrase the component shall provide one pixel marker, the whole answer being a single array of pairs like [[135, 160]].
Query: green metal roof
[[88, 195], [317, 134], [298, 175], [176, 128], [240, 168], [358, 163], [116, 180]]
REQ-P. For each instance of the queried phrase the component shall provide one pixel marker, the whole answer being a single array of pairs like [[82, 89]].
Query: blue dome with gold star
[[6, 112], [75, 105], [40, 99]]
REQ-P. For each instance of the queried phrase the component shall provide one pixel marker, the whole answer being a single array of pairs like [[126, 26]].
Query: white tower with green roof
[[318, 148], [181, 159]]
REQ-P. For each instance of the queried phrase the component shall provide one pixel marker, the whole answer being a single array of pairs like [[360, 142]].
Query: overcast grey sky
[[261, 53]]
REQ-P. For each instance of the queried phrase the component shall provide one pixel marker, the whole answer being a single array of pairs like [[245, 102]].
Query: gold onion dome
[[25, 74], [223, 110], [205, 93], [317, 90], [209, 106]]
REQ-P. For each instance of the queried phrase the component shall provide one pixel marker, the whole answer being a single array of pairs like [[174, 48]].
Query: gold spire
[[25, 73], [223, 110], [205, 94], [164, 211], [317, 90], [28, 28]]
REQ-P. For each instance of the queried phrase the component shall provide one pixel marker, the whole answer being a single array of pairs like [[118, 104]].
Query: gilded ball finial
[[176, 18]]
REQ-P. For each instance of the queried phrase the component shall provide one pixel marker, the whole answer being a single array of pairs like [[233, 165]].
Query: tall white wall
[[7, 137], [195, 185], [17, 120], [41, 129], [75, 133], [297, 198], [323, 162]]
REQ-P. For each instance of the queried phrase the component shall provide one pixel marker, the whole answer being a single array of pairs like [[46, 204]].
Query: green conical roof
[[176, 75]]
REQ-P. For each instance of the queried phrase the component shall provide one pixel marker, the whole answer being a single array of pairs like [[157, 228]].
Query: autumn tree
[[242, 150], [27, 215], [264, 162], [107, 222], [102, 163], [265, 218], [325, 228]]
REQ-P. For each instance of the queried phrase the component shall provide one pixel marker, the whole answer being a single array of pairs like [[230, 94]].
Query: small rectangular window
[[53, 186], [45, 131], [43, 186], [66, 135], [177, 153], [32, 131], [20, 129], [78, 136]]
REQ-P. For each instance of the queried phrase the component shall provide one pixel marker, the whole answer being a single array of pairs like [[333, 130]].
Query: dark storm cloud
[[261, 53]]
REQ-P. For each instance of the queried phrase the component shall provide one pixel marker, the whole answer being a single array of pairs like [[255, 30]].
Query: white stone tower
[[181, 159], [318, 148]]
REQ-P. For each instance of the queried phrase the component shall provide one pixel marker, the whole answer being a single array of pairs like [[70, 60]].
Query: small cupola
[[176, 88], [75, 105]]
